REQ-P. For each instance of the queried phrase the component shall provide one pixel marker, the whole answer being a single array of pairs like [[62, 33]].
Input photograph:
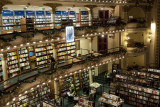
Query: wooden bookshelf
[[139, 88], [8, 21], [24, 59], [32, 97], [84, 17], [85, 78], [64, 50], [65, 84], [13, 63]]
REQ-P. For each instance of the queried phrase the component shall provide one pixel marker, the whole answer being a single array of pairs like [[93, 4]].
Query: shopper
[[52, 62]]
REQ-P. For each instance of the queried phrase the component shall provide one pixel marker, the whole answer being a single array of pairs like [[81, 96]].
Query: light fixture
[[15, 46], [60, 77], [102, 36], [37, 85], [2, 49], [55, 79], [7, 103], [26, 92], [20, 95], [52, 39], [8, 48], [14, 99], [27, 43], [44, 83], [47, 40], [49, 81], [31, 88], [21, 45]]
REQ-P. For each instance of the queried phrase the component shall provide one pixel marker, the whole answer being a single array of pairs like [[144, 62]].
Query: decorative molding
[[53, 6]]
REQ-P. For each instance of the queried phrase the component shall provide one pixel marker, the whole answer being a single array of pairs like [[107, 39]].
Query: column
[[1, 19], [4, 68], [90, 77], [96, 71], [91, 13], [53, 6], [56, 89]]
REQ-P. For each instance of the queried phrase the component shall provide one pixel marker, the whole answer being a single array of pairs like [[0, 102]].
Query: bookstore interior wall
[[138, 59]]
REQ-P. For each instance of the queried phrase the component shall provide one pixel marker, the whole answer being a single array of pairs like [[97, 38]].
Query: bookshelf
[[7, 20], [13, 63], [31, 97], [85, 78], [18, 15], [41, 55], [49, 50], [30, 20], [65, 84], [1, 71], [84, 17], [40, 19], [139, 88], [48, 19], [77, 81], [58, 19], [65, 15], [65, 50], [72, 16], [24, 59]]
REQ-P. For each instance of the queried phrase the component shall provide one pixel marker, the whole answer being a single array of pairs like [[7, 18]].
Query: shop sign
[[30, 12], [39, 12], [7, 12], [48, 12], [69, 34], [64, 13], [57, 12], [72, 12], [84, 12], [19, 13]]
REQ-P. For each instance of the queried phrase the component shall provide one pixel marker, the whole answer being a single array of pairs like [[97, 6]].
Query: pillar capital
[[2, 3], [91, 8], [53, 6]]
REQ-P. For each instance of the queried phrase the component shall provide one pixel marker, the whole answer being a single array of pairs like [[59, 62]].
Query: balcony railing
[[46, 26], [135, 51], [8, 85]]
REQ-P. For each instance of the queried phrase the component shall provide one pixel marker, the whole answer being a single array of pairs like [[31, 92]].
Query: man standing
[[52, 62]]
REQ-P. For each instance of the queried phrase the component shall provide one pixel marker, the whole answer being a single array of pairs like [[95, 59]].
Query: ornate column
[[91, 12], [56, 89], [125, 10], [53, 6], [4, 68], [90, 77]]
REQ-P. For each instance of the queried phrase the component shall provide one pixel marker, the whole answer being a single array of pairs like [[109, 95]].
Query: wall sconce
[[149, 37]]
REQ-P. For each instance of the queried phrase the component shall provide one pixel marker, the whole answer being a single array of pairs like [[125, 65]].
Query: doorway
[[104, 16], [102, 43]]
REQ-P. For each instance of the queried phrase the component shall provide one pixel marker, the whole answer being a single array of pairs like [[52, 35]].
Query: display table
[[95, 85], [110, 99]]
